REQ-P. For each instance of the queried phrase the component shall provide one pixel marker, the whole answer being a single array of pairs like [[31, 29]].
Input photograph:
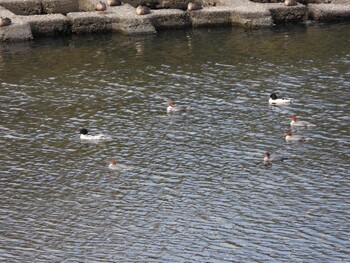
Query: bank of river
[[49, 17]]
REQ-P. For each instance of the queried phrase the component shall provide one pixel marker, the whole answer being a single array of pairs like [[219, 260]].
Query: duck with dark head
[[5, 21]]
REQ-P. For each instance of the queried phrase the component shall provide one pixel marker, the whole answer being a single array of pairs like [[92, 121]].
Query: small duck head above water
[[273, 96], [112, 162], [83, 131], [267, 157], [288, 133]]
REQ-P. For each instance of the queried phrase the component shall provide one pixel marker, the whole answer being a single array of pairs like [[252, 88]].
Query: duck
[[192, 6], [290, 2], [114, 2], [113, 165], [172, 108], [101, 7], [295, 123], [278, 101], [268, 157], [85, 136], [295, 138], [142, 10], [5, 21]]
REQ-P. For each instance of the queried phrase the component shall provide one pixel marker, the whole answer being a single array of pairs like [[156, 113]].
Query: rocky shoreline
[[33, 18]]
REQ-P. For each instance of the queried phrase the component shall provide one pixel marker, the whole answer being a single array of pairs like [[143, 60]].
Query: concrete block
[[210, 16], [285, 14], [252, 18], [125, 20], [135, 27], [59, 6], [169, 18], [88, 5], [22, 7], [47, 25], [89, 22], [6, 13], [17, 31], [329, 12]]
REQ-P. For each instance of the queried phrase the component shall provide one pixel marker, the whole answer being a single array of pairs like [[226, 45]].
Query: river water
[[194, 188]]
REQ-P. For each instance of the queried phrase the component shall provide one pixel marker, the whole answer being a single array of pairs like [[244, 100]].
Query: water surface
[[195, 189]]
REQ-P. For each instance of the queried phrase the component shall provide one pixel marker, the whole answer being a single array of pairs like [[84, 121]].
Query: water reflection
[[195, 189]]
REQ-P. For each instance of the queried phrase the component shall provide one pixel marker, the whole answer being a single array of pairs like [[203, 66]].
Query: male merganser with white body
[[268, 157], [278, 101], [296, 123], [295, 138], [175, 109], [114, 166], [85, 136]]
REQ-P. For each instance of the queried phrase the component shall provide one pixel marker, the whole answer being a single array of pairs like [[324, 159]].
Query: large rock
[[47, 25], [329, 12], [59, 6], [170, 18], [89, 22], [211, 16], [124, 19], [17, 31], [286, 14], [22, 7]]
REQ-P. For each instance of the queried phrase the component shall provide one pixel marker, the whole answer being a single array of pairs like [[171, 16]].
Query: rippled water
[[195, 189]]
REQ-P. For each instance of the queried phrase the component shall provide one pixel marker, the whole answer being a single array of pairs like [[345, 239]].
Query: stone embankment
[[32, 18]]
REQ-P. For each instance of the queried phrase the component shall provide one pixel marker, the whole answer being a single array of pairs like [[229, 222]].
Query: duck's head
[[288, 133], [267, 154], [293, 117], [113, 162], [273, 96], [83, 131]]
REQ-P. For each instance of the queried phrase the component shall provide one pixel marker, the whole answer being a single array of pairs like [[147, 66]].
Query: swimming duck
[[142, 10], [175, 109], [85, 136], [113, 165], [295, 138], [276, 101], [192, 6], [296, 123], [114, 2], [101, 7], [268, 157], [5, 21]]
